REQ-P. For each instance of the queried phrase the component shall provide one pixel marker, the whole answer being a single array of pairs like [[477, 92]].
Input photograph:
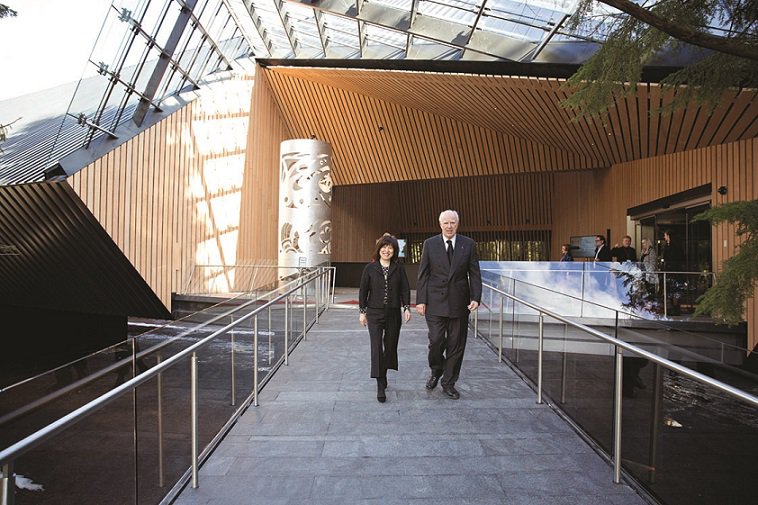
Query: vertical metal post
[[617, 416], [305, 309], [539, 358], [159, 383], [655, 420], [500, 349], [135, 417], [270, 339], [8, 485], [286, 330], [233, 378], [317, 287], [581, 299], [665, 297], [255, 361], [564, 364], [489, 310], [514, 347], [193, 395]]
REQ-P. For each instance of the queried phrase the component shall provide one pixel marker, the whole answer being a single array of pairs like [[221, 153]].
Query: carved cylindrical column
[[305, 198]]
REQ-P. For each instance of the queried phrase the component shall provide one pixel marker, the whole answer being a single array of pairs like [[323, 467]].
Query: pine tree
[[725, 301], [723, 34]]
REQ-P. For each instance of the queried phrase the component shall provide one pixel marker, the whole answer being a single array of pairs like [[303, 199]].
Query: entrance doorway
[[692, 239]]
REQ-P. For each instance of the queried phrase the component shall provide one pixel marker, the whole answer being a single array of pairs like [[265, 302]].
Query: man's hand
[[362, 319], [421, 308], [473, 306], [407, 315]]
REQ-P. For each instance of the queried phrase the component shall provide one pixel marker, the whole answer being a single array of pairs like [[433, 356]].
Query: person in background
[[624, 252], [384, 291], [649, 260], [566, 253], [449, 288], [602, 251]]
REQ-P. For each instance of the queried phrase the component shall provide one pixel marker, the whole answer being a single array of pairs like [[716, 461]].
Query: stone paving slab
[[320, 437]]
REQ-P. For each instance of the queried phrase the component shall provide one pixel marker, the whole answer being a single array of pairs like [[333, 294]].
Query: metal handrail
[[42, 401], [619, 346], [618, 311], [10, 454], [726, 388]]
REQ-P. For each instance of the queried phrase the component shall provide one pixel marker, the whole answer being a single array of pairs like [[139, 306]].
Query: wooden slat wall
[[259, 235], [178, 194], [586, 203], [362, 213]]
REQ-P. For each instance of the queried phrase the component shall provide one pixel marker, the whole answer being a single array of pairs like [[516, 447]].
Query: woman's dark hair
[[568, 247], [384, 240]]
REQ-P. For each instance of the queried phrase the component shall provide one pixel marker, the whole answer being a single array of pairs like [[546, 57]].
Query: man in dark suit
[[602, 251], [449, 287]]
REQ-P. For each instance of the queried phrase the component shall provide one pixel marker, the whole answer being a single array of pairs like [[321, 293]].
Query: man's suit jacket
[[604, 254], [446, 288]]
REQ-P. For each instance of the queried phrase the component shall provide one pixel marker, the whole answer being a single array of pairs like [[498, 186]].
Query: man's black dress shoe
[[451, 392], [432, 382]]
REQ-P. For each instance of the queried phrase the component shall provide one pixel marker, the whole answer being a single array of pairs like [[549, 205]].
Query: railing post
[[564, 364], [233, 381], [194, 414], [500, 350], [317, 287], [581, 301], [8, 487], [655, 421], [255, 361], [539, 358], [286, 330], [665, 297], [305, 309], [617, 416], [159, 384]]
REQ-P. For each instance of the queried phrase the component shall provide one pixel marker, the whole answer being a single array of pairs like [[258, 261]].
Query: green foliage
[[616, 68], [6, 11], [725, 301]]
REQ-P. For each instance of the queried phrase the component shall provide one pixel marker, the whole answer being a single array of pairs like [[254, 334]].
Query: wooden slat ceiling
[[390, 125]]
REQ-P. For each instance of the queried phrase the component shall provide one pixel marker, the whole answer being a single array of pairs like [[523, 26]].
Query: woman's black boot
[[380, 390]]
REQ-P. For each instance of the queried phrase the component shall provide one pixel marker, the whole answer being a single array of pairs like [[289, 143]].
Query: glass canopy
[[149, 51]]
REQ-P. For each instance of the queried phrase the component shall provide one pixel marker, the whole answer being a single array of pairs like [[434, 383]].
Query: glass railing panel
[[689, 443], [163, 427], [35, 403], [92, 462]]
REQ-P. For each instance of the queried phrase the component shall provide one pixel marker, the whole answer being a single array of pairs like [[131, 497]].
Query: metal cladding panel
[[55, 255]]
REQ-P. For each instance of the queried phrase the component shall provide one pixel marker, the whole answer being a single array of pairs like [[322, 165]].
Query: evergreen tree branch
[[685, 33], [725, 300]]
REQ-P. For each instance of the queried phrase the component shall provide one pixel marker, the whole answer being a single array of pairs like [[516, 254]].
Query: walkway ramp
[[319, 436]]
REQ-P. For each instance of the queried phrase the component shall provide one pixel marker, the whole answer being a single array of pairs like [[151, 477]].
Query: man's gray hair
[[450, 211]]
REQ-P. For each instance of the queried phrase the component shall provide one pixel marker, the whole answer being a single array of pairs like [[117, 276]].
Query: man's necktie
[[450, 251]]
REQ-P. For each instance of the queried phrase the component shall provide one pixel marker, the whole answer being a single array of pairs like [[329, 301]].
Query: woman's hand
[[362, 319]]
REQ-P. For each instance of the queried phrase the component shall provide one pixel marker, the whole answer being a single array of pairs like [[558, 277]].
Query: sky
[[48, 43]]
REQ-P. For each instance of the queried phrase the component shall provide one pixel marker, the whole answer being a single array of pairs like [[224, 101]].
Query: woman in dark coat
[[384, 292]]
